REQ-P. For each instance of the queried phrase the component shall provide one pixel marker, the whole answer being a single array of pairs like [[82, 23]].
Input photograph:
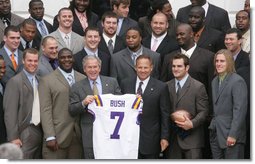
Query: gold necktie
[[13, 62], [95, 89]]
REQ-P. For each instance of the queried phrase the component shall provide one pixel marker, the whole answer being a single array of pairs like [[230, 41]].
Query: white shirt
[[159, 40], [89, 52], [206, 6], [145, 82], [66, 75], [106, 38], [189, 52], [63, 35]]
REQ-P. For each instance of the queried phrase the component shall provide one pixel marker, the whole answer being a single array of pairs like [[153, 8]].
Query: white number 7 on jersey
[[115, 134]]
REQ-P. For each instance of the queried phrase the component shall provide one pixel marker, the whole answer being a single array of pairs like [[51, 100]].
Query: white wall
[[20, 7], [232, 6]]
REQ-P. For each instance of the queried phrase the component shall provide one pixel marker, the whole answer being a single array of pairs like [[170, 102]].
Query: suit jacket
[[145, 26], [18, 103], [126, 24], [15, 20], [77, 27], [79, 92], [54, 102], [10, 72], [156, 111], [216, 17], [167, 45], [193, 98], [211, 39], [105, 58], [44, 66], [122, 65], [119, 45], [35, 44], [229, 107], [76, 41], [242, 60], [3, 137], [38, 36]]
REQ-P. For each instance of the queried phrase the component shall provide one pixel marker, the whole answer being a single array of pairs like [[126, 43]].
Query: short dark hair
[[91, 28], [109, 14], [31, 51], [144, 56], [62, 9], [33, 1], [234, 30], [243, 11], [28, 21], [180, 56], [64, 50], [118, 2], [11, 28], [136, 29], [46, 38]]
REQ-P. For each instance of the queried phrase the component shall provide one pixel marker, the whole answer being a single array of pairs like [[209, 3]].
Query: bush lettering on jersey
[[117, 103]]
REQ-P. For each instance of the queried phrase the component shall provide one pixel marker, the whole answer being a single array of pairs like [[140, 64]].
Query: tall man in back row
[[154, 127]]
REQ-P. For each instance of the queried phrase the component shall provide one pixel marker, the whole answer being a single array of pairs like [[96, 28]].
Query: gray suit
[[229, 108], [56, 120], [79, 91], [123, 67], [15, 20], [10, 72], [18, 103], [44, 66], [193, 98], [76, 41]]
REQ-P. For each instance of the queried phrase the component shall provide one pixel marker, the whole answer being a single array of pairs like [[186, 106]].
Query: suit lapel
[[26, 81], [60, 39], [86, 87], [61, 78], [184, 89], [163, 44], [209, 15], [149, 88], [127, 59], [223, 85]]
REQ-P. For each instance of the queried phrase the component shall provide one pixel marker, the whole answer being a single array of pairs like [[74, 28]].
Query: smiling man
[[23, 129], [61, 131]]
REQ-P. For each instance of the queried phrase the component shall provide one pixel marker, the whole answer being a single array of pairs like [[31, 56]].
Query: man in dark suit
[[215, 17], [43, 28], [82, 94], [21, 105], [205, 36], [228, 125], [12, 55], [233, 41], [110, 42], [27, 35], [3, 138], [7, 18], [91, 41], [82, 16], [121, 8], [159, 41], [154, 127], [123, 62], [61, 132], [48, 60], [190, 95]]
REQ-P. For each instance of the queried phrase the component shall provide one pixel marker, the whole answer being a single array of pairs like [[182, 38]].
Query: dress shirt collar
[[182, 81], [64, 34], [145, 83], [38, 24], [65, 74], [158, 38], [79, 14], [9, 54], [137, 53], [189, 52], [29, 76], [235, 56], [198, 34], [90, 52], [106, 38], [23, 42], [98, 83]]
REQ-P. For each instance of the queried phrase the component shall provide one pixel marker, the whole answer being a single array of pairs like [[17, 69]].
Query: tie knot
[[66, 37], [141, 83], [70, 79], [110, 41]]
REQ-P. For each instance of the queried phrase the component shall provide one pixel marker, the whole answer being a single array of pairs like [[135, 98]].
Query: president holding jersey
[[82, 93], [154, 128]]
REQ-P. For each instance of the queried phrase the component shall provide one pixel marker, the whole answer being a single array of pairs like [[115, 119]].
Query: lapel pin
[[151, 89], [106, 85]]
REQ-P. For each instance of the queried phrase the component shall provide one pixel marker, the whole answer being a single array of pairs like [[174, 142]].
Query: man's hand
[[231, 141], [186, 125], [17, 142], [52, 145], [89, 99], [164, 144]]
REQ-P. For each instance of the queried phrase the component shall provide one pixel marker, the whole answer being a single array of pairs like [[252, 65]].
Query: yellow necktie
[[95, 89], [13, 62]]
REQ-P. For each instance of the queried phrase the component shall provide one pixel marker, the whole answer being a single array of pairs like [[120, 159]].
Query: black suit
[[242, 60], [35, 44], [216, 17], [119, 45], [211, 39], [105, 58], [77, 27], [156, 111], [3, 136], [38, 36], [168, 45]]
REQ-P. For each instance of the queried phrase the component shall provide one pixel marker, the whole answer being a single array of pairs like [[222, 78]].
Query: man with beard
[[7, 17], [205, 37], [110, 42], [123, 62], [64, 34], [215, 17], [62, 136], [243, 24], [43, 28], [82, 16]]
